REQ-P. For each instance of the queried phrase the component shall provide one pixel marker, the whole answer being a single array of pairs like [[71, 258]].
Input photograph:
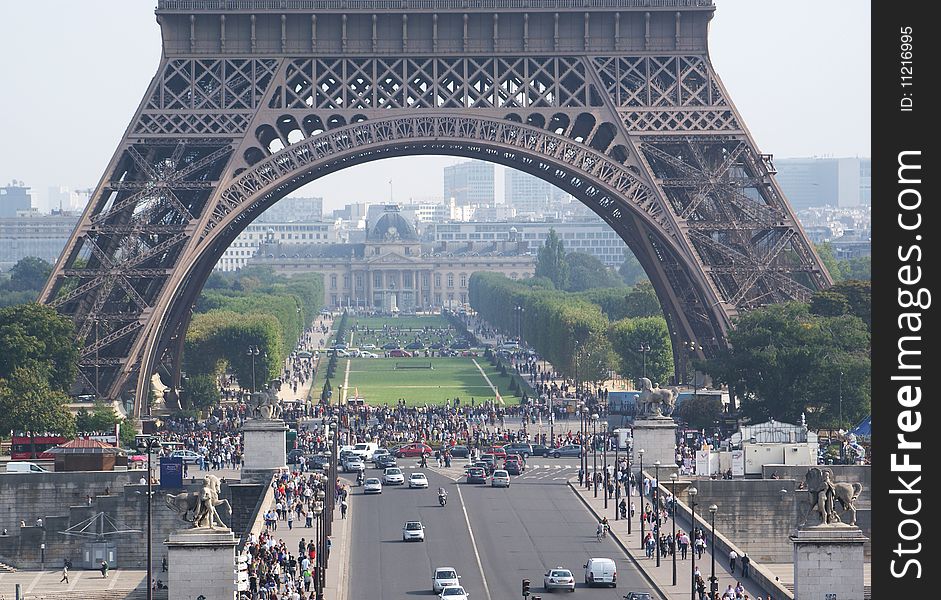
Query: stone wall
[[126, 507]]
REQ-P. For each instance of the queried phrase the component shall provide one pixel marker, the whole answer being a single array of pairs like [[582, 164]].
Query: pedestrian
[[343, 507], [746, 564], [104, 569], [732, 556], [290, 520], [65, 574]]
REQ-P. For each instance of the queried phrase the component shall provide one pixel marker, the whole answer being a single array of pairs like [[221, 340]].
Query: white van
[[24, 467], [601, 570], [365, 450]]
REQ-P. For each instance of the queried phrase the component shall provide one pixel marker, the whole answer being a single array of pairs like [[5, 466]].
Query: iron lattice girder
[[649, 141]]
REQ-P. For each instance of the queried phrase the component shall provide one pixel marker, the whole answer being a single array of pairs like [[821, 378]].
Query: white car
[[188, 456], [500, 478], [393, 476], [369, 347], [417, 480], [372, 486], [353, 463], [413, 530], [443, 577], [365, 354], [558, 579], [453, 592]]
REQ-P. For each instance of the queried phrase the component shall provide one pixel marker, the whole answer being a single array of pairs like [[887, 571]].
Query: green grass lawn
[[379, 382]]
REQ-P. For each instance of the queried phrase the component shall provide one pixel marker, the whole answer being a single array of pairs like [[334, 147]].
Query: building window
[[424, 281], [463, 298], [346, 281], [333, 299], [437, 299], [407, 279], [438, 281], [359, 281], [377, 279], [463, 280], [333, 285], [450, 281]]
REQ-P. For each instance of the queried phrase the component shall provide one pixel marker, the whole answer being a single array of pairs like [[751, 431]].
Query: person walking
[[65, 574], [746, 564], [104, 569], [733, 555], [343, 507]]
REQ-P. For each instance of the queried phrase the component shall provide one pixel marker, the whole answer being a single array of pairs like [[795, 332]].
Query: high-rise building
[[15, 198], [865, 181], [526, 193], [293, 210], [809, 182], [469, 182], [42, 236]]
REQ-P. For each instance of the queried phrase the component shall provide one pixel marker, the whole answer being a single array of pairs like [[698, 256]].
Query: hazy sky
[[73, 74]]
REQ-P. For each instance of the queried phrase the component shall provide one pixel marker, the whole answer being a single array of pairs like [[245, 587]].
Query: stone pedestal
[[657, 437], [828, 562], [201, 564], [264, 443]]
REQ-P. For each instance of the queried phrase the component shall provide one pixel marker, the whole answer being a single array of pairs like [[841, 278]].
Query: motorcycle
[[442, 499], [359, 478]]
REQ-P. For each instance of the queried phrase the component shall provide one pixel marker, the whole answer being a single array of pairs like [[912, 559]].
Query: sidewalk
[[662, 577]]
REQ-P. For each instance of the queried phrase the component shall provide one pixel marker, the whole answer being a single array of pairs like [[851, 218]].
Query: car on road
[[366, 354], [436, 346], [319, 462], [540, 450], [393, 476], [365, 450], [385, 461], [568, 450], [372, 486], [369, 346], [638, 596], [443, 577], [391, 346], [513, 467], [601, 571], [399, 353], [524, 450], [414, 346], [558, 579], [189, 457], [488, 467], [353, 463], [453, 592], [476, 475], [497, 451], [413, 530], [304, 354], [460, 451], [417, 480], [413, 450], [500, 478], [460, 345]]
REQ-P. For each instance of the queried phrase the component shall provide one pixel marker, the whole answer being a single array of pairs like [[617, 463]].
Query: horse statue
[[202, 504], [265, 404], [655, 401], [824, 493]]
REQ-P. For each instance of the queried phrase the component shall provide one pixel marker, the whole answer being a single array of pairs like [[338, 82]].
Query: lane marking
[[470, 531], [487, 379]]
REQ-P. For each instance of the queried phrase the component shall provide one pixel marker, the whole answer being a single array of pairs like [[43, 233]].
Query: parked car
[[372, 486], [476, 475], [436, 346], [391, 346], [189, 457], [393, 476], [414, 346], [601, 571], [413, 530], [413, 450], [460, 345], [500, 478], [20, 466], [365, 354], [569, 450], [558, 579], [460, 451], [369, 346], [294, 456], [524, 450], [399, 353], [443, 577]]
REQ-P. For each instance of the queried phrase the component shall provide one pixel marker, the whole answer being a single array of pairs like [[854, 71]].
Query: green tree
[[30, 274], [102, 418], [859, 268], [829, 304], [36, 335], [825, 251], [630, 270], [642, 301], [627, 336], [29, 404], [700, 412], [859, 296], [587, 272], [201, 392], [550, 261]]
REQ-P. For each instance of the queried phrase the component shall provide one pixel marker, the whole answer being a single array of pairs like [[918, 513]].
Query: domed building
[[389, 268]]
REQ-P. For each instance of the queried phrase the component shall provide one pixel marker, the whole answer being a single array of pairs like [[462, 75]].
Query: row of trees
[[26, 280], [254, 308]]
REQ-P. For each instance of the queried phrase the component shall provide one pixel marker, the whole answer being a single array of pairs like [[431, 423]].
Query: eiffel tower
[[613, 101]]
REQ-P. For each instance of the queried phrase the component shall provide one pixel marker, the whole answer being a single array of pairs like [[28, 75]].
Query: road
[[513, 534]]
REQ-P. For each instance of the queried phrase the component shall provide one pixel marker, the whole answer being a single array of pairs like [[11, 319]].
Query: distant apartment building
[[292, 210], [42, 236], [526, 193], [593, 236], [244, 247], [811, 182], [469, 183], [15, 198]]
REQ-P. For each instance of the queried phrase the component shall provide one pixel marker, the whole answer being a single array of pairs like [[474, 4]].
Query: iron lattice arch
[[233, 121]]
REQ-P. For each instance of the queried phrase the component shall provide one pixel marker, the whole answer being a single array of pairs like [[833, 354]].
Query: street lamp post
[[604, 463], [713, 582], [594, 452], [692, 348], [617, 471], [627, 481], [673, 479], [692, 530], [253, 351], [640, 494], [585, 447], [656, 506], [149, 444], [644, 350]]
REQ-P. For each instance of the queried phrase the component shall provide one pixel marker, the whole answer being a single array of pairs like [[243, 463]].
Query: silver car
[[413, 530], [558, 579], [500, 478]]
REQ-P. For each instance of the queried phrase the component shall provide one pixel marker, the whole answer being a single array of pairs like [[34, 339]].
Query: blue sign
[[171, 473]]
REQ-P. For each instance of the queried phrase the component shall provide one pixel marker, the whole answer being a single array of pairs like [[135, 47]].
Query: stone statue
[[654, 401], [825, 493], [201, 504], [158, 389], [265, 404]]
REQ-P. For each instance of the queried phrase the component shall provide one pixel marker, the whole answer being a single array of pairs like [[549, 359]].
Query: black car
[[540, 450], [436, 346], [391, 346], [513, 467], [319, 462], [385, 461], [476, 475], [460, 452], [524, 450], [415, 346], [486, 466], [461, 345]]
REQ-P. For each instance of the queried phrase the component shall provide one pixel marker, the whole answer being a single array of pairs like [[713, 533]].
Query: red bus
[[22, 445]]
